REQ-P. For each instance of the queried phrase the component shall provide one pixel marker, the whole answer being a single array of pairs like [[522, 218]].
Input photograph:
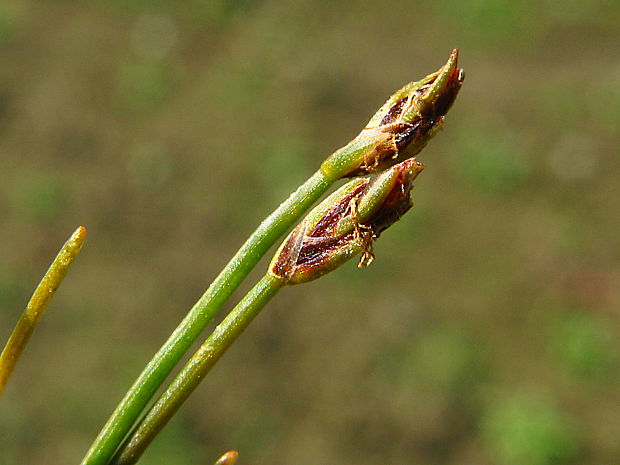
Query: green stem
[[151, 378], [38, 304], [197, 367]]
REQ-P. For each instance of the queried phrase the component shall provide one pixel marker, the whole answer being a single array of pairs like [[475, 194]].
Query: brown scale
[[333, 216]]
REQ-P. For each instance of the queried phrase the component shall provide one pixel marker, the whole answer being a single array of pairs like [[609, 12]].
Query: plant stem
[[151, 378], [197, 367], [38, 304]]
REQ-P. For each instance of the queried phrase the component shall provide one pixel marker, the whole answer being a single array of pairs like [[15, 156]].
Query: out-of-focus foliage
[[486, 332], [522, 429]]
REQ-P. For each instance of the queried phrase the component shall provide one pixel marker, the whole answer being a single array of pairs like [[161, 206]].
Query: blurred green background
[[486, 332]]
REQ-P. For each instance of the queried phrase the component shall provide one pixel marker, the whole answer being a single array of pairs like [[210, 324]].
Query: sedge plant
[[344, 225], [398, 131]]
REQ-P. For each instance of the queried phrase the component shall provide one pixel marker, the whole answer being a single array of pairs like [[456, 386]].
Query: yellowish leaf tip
[[229, 458]]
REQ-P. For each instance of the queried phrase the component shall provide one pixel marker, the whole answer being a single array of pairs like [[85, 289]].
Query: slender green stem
[[38, 304], [197, 367], [151, 378]]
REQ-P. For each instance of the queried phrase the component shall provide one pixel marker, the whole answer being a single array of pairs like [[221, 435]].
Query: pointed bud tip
[[458, 74], [453, 60], [410, 168], [416, 169]]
